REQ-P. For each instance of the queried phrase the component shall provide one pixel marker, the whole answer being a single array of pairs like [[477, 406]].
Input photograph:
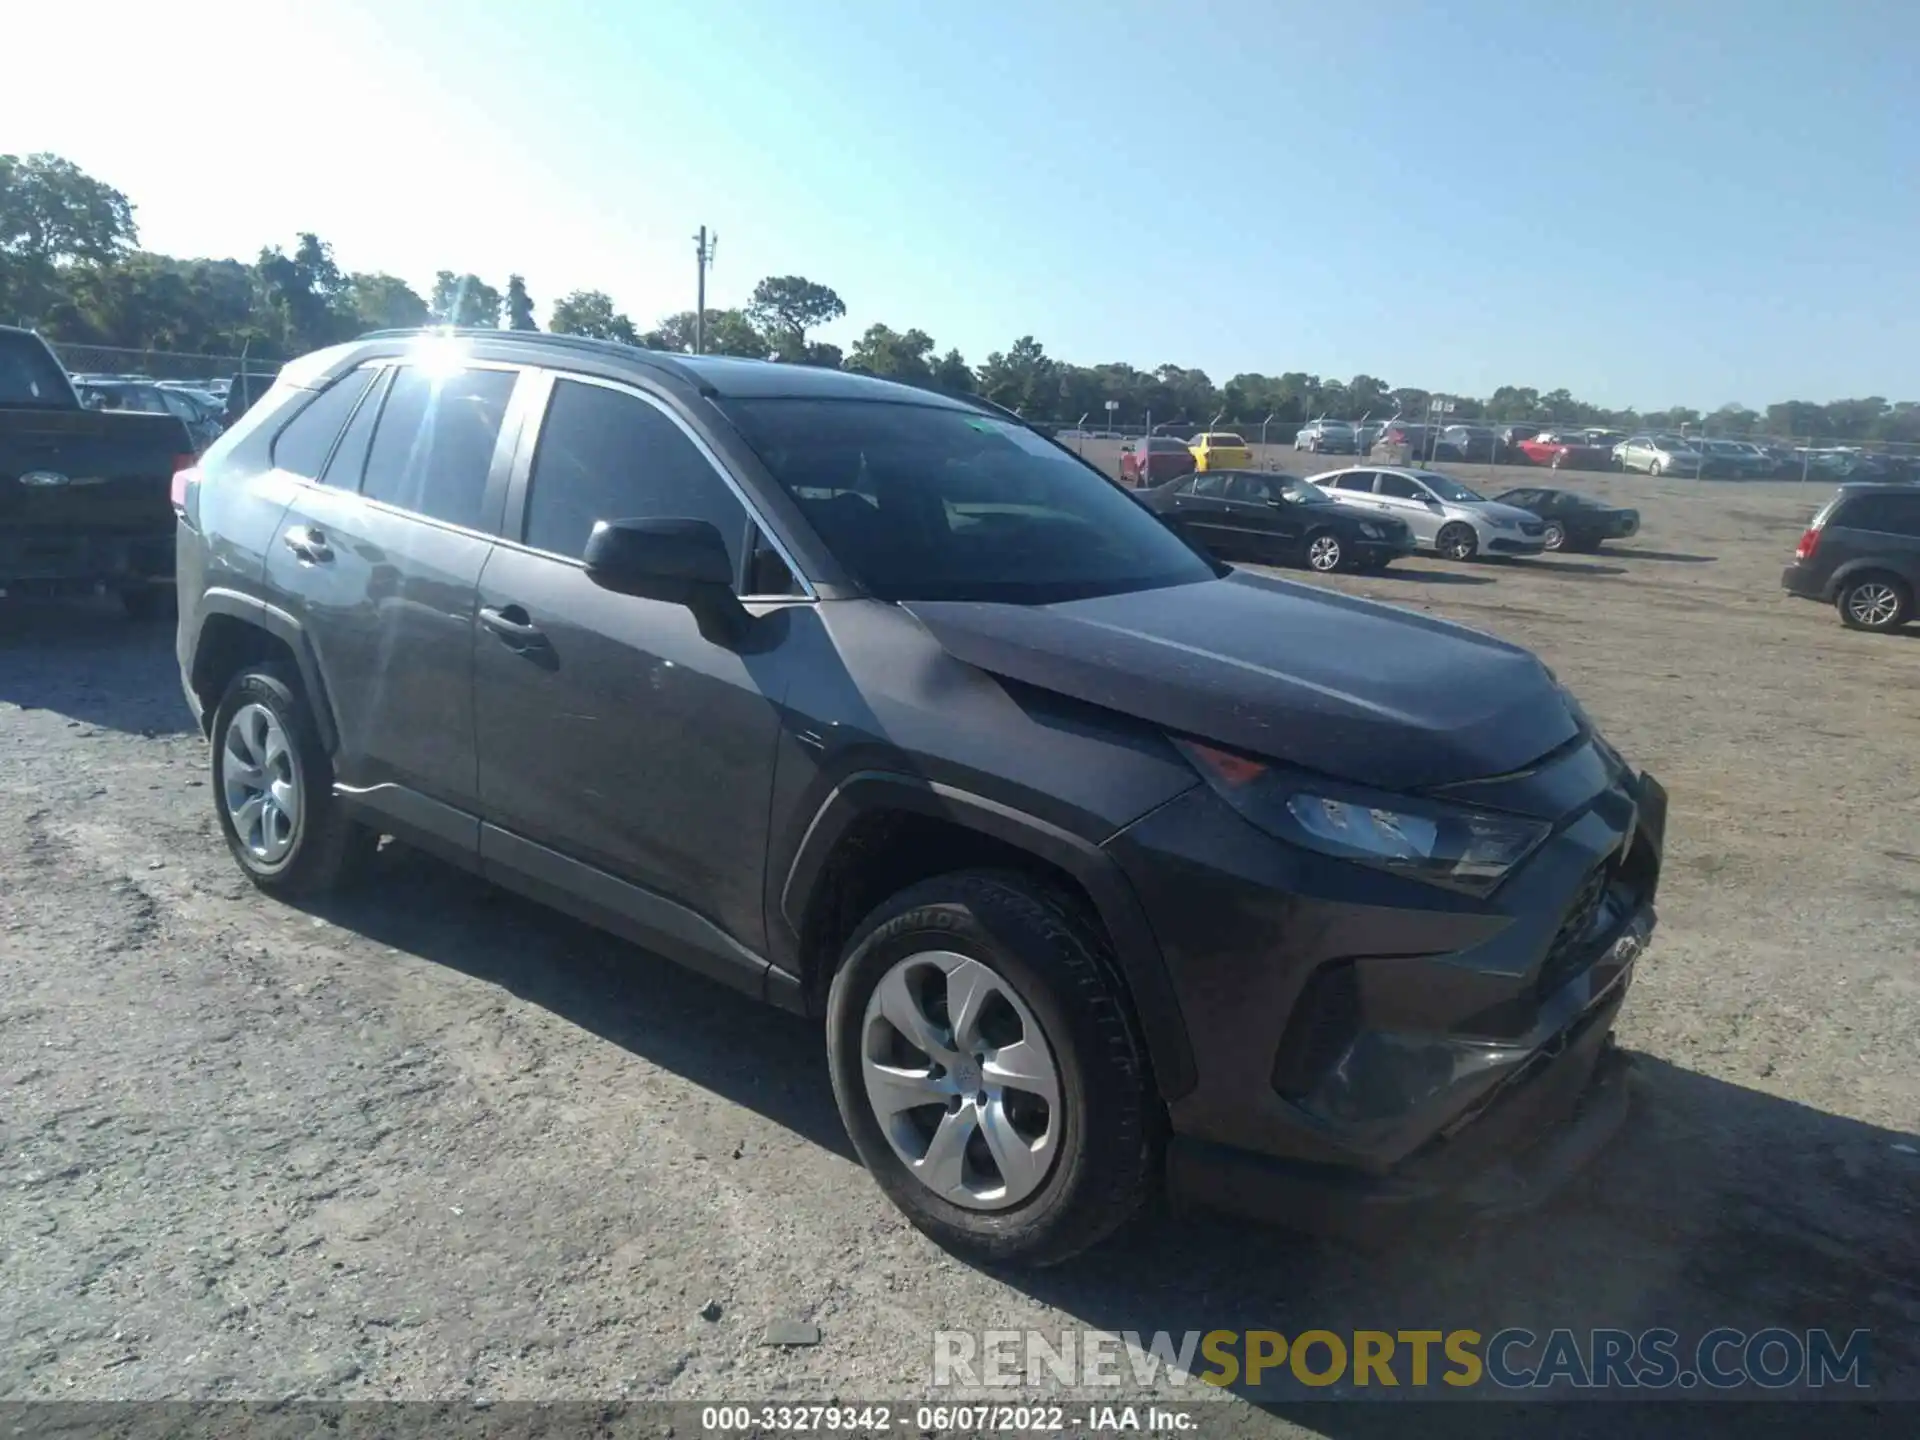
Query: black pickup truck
[[86, 498]]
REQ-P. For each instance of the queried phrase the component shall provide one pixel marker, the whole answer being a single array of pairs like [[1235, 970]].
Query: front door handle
[[513, 625], [309, 544]]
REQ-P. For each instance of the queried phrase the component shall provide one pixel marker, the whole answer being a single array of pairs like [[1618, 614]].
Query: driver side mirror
[[678, 562]]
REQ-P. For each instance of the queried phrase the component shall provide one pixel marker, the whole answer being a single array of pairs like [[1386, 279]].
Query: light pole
[[704, 246]]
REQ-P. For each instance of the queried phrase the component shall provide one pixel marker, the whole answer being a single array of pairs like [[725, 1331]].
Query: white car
[[1658, 455], [1445, 516]]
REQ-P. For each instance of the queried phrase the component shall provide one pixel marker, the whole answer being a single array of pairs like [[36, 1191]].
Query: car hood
[[1329, 682]]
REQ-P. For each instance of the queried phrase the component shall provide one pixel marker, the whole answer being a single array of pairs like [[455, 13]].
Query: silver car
[[1658, 455], [1444, 515], [1322, 437]]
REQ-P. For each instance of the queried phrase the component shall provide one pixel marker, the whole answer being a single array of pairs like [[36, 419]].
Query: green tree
[[591, 313], [674, 332], [730, 332], [822, 355], [301, 292], [466, 301], [1023, 379], [54, 216], [893, 356], [384, 302], [785, 307], [519, 305]]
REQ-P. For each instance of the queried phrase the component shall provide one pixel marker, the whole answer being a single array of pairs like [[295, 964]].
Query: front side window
[[434, 445], [928, 503], [303, 447], [608, 455]]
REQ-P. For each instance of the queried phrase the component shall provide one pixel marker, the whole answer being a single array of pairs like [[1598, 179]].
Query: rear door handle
[[309, 544], [513, 625]]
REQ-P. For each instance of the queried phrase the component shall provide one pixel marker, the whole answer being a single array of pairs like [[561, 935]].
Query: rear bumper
[[66, 560], [1800, 581]]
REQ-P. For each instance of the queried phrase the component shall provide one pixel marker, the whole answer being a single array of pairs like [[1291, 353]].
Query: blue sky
[[1648, 203]]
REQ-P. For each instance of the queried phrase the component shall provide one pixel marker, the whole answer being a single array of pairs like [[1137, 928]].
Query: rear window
[[30, 376], [1227, 438]]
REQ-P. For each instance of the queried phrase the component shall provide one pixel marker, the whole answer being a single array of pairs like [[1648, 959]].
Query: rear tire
[[1874, 601], [1653, 469], [273, 789], [1457, 541], [1097, 1141]]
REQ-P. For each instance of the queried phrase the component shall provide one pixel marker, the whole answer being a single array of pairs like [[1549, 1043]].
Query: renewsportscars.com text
[[1508, 1359]]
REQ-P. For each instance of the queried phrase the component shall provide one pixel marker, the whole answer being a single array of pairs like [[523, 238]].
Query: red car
[[1155, 460], [1566, 450]]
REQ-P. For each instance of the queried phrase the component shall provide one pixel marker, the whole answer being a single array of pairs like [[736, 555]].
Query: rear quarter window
[[303, 446]]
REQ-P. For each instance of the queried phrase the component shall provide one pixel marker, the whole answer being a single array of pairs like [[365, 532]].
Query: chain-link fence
[[160, 364]]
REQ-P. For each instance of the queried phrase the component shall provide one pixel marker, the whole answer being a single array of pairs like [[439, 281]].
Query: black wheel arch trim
[[1142, 968], [285, 628], [1851, 570]]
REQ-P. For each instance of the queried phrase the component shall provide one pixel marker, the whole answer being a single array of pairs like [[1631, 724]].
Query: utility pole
[[703, 255]]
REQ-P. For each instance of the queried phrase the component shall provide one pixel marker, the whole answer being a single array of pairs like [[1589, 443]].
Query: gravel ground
[[434, 1142]]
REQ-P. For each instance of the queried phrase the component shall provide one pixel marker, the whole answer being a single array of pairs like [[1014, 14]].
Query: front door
[[1405, 498], [624, 758], [1267, 526]]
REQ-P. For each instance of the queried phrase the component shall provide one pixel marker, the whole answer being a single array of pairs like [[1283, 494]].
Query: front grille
[[1569, 949], [1536, 528]]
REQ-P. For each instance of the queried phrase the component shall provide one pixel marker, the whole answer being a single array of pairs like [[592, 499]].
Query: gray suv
[[1098, 863], [1861, 554], [1444, 515]]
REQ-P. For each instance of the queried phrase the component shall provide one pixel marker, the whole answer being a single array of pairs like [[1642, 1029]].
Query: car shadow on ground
[[1673, 557], [643, 1003], [1718, 1205], [86, 660], [1560, 565], [1414, 576]]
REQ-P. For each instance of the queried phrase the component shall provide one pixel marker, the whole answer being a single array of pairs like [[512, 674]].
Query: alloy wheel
[[962, 1080], [1555, 536], [1324, 553], [1873, 604], [260, 784]]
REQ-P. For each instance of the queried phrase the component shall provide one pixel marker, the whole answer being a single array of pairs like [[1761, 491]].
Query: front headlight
[[1449, 845], [1499, 522]]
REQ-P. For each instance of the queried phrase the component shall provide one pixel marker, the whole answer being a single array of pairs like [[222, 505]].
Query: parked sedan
[[1573, 521], [1469, 444], [1566, 450], [1731, 457], [1326, 437], [1155, 460], [1658, 455], [1220, 450], [1444, 515], [1281, 519]]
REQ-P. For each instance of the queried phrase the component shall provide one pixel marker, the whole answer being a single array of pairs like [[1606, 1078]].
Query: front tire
[[273, 789], [1555, 536], [1874, 601], [1325, 553], [1457, 541], [988, 1070]]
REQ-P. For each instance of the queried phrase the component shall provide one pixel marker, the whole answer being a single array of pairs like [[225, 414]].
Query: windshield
[[924, 503], [1446, 487], [1302, 492]]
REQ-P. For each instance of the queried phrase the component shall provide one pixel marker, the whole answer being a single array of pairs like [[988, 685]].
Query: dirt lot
[[436, 1142]]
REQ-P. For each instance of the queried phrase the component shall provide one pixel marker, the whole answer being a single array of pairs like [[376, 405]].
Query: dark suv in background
[[1098, 860], [1861, 554]]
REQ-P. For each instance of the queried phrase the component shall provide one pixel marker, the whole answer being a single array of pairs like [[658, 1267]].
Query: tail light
[[1809, 542], [186, 481]]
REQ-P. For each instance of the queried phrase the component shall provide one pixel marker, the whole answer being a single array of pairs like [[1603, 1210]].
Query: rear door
[[1263, 523], [1201, 510], [379, 554], [1880, 528]]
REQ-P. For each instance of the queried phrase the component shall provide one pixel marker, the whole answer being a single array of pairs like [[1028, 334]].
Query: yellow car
[[1220, 450]]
